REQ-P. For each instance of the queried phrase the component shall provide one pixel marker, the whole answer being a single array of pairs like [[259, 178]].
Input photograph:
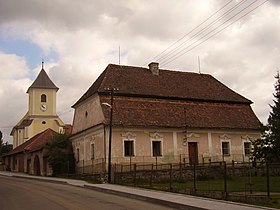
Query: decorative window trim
[[161, 147], [243, 145], [156, 136], [225, 138], [188, 136], [247, 139], [129, 136]]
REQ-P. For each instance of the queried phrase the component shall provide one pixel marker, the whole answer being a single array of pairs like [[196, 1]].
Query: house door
[[37, 167], [193, 153]]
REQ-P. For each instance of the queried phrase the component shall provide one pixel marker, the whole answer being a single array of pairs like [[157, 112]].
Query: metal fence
[[236, 181]]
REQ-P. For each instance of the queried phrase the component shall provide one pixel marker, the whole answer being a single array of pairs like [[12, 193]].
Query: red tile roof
[[68, 129], [130, 111], [141, 82], [144, 99], [35, 143]]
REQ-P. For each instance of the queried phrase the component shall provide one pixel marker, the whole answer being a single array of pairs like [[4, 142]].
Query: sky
[[237, 41]]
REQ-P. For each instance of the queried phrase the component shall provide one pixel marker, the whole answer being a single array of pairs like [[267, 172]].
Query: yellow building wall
[[42, 119], [35, 102]]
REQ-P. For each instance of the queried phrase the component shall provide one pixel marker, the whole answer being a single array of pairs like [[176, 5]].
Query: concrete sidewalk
[[173, 200]]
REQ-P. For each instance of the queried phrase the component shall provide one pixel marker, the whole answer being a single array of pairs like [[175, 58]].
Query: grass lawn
[[238, 185]]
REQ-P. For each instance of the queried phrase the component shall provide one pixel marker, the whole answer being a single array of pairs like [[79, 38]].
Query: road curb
[[145, 198], [38, 179]]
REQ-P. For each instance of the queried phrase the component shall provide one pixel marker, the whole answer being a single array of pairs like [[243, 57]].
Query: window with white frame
[[225, 148], [128, 148], [156, 148], [247, 148]]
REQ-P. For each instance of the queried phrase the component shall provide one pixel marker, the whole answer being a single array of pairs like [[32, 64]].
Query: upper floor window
[[43, 98]]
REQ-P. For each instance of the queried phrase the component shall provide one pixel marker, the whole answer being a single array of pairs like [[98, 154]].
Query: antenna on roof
[[199, 65], [119, 55], [42, 63]]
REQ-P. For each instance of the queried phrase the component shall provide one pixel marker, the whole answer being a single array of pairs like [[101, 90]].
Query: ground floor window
[[156, 146], [225, 148], [247, 148], [128, 148]]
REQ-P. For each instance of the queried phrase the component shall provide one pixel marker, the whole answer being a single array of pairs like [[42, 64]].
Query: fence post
[[267, 179], [130, 162], [114, 173], [180, 168], [233, 169], [170, 178], [134, 174], [92, 170], [151, 177], [225, 179], [194, 177]]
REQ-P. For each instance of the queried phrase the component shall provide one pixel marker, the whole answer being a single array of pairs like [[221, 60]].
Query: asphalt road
[[23, 194]]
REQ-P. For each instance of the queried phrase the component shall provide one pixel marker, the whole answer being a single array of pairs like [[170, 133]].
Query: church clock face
[[43, 107]]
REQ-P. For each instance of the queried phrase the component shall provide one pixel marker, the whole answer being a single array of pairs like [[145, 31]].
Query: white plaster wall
[[87, 114]]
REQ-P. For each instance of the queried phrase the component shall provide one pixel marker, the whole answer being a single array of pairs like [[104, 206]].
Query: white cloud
[[13, 85], [86, 35]]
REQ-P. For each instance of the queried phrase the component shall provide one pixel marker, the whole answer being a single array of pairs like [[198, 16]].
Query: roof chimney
[[154, 68]]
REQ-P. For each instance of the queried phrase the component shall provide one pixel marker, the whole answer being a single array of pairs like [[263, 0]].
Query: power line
[[190, 31], [210, 32], [175, 57], [201, 31], [175, 50]]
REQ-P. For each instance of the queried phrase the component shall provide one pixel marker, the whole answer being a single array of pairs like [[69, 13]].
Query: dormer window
[[43, 98]]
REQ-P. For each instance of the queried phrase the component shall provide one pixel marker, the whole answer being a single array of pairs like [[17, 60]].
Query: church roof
[[43, 81]]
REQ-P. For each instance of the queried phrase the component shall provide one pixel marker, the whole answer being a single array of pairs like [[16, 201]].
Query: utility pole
[[111, 92]]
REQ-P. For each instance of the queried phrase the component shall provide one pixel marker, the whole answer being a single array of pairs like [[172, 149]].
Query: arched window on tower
[[43, 98]]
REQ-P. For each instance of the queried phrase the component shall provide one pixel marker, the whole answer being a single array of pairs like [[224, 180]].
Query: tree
[[61, 157], [4, 147], [268, 147]]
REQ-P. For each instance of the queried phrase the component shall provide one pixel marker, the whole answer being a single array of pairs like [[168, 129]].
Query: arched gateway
[[37, 169]]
